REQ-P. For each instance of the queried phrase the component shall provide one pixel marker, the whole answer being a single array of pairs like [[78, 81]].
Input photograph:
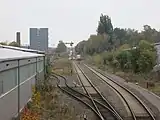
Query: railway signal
[[71, 51]]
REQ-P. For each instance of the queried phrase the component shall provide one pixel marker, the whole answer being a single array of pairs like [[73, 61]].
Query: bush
[[142, 59], [144, 45], [125, 46], [146, 61], [97, 59], [115, 64], [135, 56], [107, 57], [124, 59], [147, 56]]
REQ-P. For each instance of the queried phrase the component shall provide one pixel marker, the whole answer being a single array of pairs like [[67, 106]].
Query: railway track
[[133, 103], [73, 93], [104, 113]]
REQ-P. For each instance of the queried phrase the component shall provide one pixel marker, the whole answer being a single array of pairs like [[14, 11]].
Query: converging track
[[94, 100], [94, 93], [83, 97], [137, 109]]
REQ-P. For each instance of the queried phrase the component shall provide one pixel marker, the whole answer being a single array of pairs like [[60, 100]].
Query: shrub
[[146, 61], [125, 46], [144, 45], [107, 57], [147, 56], [124, 59], [97, 59]]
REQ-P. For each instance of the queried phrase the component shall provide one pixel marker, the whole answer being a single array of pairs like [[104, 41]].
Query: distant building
[[39, 39], [18, 38]]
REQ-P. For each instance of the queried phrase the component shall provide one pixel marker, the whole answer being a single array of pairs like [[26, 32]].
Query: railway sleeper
[[95, 95], [106, 114], [143, 117], [76, 94]]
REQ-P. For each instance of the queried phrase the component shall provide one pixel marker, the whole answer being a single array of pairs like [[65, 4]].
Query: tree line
[[115, 46], [15, 44]]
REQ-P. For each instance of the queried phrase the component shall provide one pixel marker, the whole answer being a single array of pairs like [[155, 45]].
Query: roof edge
[[22, 49]]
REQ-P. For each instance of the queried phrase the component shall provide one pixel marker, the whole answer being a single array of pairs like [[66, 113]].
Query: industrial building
[[20, 69], [39, 39]]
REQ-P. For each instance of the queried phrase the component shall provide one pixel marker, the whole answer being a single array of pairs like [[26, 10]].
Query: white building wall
[[9, 84]]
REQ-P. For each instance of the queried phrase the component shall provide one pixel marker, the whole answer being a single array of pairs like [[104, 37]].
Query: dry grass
[[62, 66], [52, 108]]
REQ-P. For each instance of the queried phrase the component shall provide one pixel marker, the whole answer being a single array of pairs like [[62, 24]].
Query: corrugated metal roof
[[11, 54], [21, 49]]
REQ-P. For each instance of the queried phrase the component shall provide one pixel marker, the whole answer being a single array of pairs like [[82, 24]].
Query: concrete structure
[[39, 39], [20, 69]]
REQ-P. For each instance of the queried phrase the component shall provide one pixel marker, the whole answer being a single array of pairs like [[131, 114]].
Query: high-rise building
[[18, 38], [39, 39]]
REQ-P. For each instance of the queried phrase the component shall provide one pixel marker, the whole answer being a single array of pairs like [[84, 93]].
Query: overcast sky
[[73, 20]]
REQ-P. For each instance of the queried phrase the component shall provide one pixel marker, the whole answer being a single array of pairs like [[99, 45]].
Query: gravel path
[[108, 92]]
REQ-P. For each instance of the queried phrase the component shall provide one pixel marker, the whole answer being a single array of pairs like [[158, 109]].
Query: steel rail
[[138, 99], [131, 111], [91, 98], [77, 98], [103, 105], [99, 93]]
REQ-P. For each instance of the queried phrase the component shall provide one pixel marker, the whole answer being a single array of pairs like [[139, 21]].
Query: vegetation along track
[[105, 113], [119, 88]]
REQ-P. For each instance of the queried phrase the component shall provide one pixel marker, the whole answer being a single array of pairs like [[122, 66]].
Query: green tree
[[105, 25], [144, 45], [147, 56], [120, 35], [150, 34], [80, 47], [15, 44], [105, 28], [146, 61], [95, 44], [3, 43], [61, 47], [124, 59]]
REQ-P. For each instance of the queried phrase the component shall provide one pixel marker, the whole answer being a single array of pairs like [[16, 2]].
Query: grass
[[62, 66], [54, 109]]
